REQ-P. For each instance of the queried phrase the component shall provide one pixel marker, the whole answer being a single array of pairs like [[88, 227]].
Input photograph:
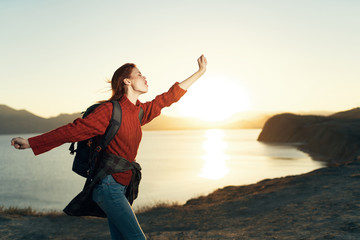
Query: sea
[[176, 166]]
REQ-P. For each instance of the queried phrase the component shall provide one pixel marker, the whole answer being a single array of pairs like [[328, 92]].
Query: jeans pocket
[[116, 190]]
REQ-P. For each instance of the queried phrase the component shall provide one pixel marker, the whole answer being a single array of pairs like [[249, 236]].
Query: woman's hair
[[117, 81]]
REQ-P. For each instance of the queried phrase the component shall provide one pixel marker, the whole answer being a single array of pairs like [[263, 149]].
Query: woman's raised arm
[[190, 80]]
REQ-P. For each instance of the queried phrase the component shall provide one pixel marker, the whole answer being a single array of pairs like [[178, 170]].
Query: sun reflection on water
[[215, 158]]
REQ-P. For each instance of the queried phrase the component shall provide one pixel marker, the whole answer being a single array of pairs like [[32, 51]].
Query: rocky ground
[[323, 204]]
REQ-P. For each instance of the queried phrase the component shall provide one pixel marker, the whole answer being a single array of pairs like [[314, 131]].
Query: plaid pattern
[[83, 205]]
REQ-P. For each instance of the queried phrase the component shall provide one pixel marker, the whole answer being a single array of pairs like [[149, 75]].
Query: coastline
[[322, 204], [249, 163]]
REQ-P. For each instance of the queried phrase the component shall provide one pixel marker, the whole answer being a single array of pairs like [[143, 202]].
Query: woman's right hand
[[20, 143], [202, 62], [190, 80]]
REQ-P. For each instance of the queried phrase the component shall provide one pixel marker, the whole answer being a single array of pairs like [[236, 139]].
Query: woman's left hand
[[202, 63]]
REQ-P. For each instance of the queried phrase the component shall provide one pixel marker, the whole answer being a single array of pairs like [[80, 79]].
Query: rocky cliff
[[335, 138]]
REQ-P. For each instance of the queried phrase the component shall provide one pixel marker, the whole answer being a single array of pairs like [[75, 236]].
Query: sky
[[263, 56]]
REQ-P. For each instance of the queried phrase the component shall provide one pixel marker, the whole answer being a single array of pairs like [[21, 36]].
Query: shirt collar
[[127, 104]]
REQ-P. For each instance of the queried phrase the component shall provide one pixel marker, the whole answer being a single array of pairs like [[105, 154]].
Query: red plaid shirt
[[127, 140]]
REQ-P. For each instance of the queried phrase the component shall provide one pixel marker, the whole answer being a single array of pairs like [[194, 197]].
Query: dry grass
[[159, 204], [28, 211]]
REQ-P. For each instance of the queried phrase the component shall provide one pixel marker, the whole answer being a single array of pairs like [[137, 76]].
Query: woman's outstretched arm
[[190, 80]]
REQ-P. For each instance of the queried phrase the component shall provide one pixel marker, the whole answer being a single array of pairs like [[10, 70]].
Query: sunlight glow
[[215, 99], [215, 158]]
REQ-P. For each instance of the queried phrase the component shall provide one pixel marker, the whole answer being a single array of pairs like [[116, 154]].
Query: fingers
[[202, 59], [202, 63], [15, 143], [19, 143]]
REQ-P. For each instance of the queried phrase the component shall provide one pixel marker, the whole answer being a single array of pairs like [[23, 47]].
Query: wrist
[[201, 71]]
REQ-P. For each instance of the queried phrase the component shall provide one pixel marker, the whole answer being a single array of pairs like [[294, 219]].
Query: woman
[[127, 85]]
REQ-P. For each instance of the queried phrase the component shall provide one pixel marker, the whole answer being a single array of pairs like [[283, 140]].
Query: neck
[[133, 97]]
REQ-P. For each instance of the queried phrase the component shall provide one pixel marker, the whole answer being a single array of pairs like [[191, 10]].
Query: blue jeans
[[110, 196]]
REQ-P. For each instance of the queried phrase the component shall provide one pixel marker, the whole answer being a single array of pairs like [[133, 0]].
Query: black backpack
[[88, 150]]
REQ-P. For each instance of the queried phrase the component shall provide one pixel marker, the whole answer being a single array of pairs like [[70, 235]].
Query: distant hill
[[335, 138], [21, 121], [350, 114], [164, 122]]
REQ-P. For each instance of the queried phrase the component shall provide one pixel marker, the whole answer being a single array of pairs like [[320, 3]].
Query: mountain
[[239, 121], [350, 114], [333, 138], [21, 121]]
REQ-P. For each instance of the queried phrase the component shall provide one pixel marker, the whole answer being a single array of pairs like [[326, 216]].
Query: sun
[[214, 99]]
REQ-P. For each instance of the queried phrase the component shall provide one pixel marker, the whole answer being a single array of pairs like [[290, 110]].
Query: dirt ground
[[323, 204]]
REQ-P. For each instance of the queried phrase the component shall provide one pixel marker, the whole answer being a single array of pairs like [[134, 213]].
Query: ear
[[127, 81]]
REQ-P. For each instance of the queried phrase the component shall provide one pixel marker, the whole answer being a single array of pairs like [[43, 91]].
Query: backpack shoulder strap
[[84, 115], [141, 114], [90, 110], [113, 127]]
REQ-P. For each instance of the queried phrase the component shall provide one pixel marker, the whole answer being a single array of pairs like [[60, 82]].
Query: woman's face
[[138, 81]]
